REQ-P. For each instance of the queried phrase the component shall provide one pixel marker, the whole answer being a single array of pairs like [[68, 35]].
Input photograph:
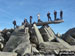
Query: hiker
[[26, 22], [48, 15], [30, 19], [55, 15], [39, 17], [14, 22], [61, 14]]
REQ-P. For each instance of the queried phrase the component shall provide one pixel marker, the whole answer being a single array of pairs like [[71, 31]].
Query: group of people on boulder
[[39, 20], [55, 15]]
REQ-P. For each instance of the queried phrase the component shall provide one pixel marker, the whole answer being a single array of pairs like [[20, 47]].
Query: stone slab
[[8, 54]]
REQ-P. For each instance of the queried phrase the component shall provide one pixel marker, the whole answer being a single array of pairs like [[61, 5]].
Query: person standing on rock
[[14, 23], [55, 15], [30, 19], [25, 22], [48, 15], [39, 17], [61, 14]]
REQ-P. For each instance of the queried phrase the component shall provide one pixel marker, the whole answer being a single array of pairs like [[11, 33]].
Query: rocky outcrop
[[69, 36], [37, 41], [19, 42], [47, 33]]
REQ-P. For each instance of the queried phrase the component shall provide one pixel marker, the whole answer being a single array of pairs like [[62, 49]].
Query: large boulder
[[69, 36], [6, 33], [47, 33], [70, 32], [19, 41]]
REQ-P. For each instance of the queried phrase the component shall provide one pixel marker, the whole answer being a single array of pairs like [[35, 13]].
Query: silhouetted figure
[[26, 22], [61, 14], [55, 15], [48, 15], [30, 19], [14, 22]]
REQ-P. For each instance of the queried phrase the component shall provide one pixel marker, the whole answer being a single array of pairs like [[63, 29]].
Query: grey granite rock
[[8, 54]]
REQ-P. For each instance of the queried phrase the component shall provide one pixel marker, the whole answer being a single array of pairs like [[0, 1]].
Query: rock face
[[1, 42], [69, 36], [19, 42], [6, 34], [47, 33], [70, 32], [31, 40], [8, 54], [1, 38], [50, 46], [39, 37]]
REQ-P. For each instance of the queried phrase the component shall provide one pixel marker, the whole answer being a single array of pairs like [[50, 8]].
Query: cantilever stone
[[49, 22]]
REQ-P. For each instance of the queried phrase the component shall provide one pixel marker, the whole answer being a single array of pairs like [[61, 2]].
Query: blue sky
[[19, 9]]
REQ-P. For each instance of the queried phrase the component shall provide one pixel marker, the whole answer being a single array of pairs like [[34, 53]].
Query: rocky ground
[[35, 41]]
